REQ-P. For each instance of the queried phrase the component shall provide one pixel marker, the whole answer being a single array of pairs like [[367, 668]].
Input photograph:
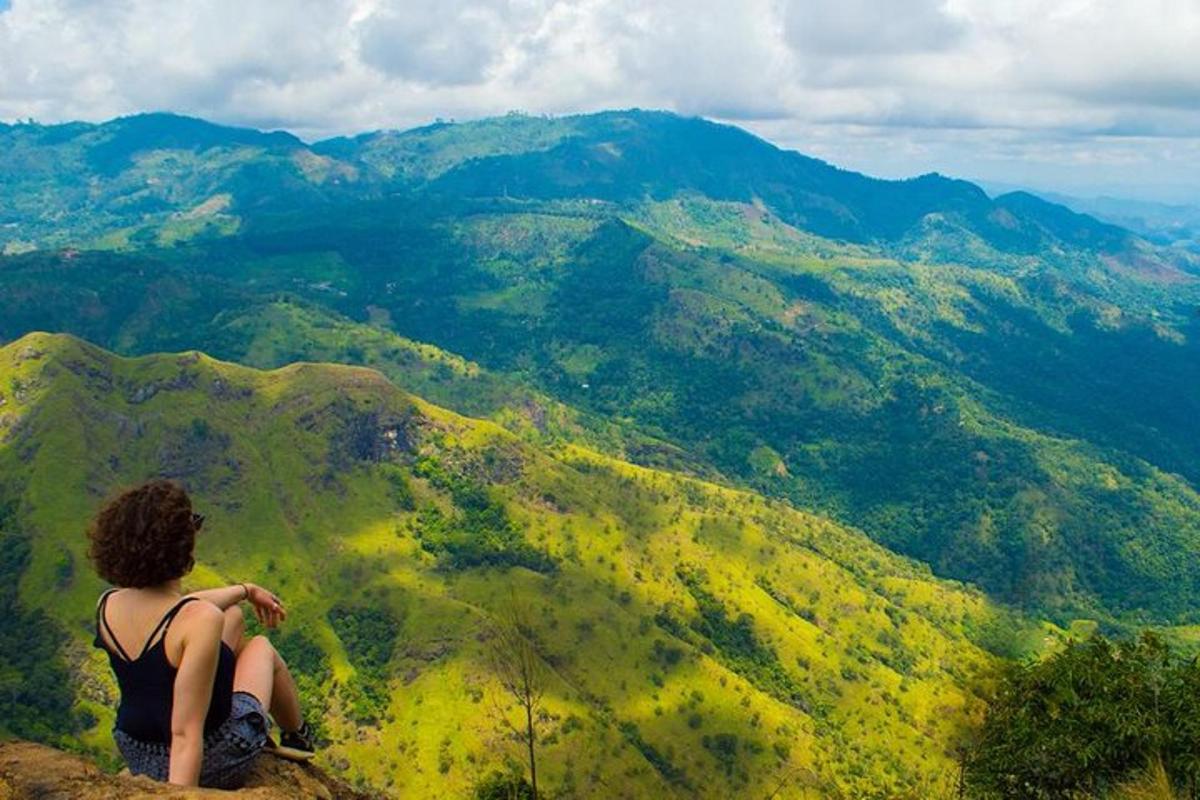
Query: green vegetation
[[738, 646], [503, 786], [661, 763], [1088, 720], [369, 636], [36, 697], [480, 534]]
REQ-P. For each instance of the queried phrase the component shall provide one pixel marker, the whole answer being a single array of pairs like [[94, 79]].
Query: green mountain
[[699, 641], [139, 168], [67, 184], [1000, 388]]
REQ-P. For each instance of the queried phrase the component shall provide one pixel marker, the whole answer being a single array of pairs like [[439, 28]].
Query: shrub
[[503, 786], [1087, 719]]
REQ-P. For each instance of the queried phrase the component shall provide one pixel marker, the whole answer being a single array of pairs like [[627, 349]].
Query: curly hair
[[144, 536]]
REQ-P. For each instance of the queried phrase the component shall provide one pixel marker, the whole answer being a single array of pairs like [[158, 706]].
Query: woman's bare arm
[[201, 625], [225, 596], [267, 607]]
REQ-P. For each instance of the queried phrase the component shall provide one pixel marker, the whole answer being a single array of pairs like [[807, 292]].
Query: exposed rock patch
[[30, 353], [362, 434], [142, 392], [222, 390], [97, 375]]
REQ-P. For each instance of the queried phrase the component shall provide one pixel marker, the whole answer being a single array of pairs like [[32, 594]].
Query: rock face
[[33, 771]]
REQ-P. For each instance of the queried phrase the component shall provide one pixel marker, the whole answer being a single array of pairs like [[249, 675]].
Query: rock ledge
[[29, 771]]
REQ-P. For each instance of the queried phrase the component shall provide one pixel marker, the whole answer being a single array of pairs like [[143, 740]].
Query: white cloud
[[63, 59], [440, 42], [841, 29], [721, 59], [978, 84]]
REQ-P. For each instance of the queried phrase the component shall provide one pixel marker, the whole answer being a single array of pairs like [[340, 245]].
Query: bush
[[664, 766], [736, 645], [503, 786], [724, 748], [398, 488], [1087, 719], [369, 635], [303, 657], [666, 655]]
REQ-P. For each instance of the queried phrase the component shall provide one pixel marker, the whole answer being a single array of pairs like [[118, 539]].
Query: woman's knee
[[235, 626], [260, 647], [256, 668], [257, 656]]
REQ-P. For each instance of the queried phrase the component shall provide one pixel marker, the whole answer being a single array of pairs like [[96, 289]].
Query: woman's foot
[[298, 745]]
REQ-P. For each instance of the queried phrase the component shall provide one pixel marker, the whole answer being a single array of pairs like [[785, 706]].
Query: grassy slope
[[1063, 383], [275, 334], [298, 471]]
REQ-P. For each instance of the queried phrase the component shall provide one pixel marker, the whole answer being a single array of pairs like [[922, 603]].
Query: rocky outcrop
[[35, 772]]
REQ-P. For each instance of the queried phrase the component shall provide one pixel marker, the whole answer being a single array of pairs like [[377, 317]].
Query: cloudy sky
[[1084, 96]]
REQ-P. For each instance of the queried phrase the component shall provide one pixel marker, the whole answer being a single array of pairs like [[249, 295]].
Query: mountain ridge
[[868, 209]]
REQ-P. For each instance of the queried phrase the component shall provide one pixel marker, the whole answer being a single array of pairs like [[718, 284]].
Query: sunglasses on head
[[197, 521]]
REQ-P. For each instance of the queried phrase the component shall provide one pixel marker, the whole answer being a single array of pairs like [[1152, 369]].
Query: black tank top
[[148, 682]]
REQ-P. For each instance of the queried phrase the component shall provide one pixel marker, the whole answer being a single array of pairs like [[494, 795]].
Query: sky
[[1080, 96]]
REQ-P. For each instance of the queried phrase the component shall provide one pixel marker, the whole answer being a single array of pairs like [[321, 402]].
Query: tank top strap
[[102, 619], [101, 603], [163, 625]]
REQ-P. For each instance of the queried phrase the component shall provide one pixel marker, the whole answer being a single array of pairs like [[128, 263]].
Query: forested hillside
[[1001, 388], [697, 640]]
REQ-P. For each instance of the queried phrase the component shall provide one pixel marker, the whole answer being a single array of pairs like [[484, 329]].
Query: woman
[[194, 697]]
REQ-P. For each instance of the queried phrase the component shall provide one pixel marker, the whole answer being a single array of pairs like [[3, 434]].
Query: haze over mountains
[[1175, 225], [1000, 388]]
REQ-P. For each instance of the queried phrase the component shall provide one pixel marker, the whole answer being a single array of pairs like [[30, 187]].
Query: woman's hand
[[267, 607]]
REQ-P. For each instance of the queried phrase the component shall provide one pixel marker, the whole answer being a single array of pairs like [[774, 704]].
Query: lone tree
[[521, 671]]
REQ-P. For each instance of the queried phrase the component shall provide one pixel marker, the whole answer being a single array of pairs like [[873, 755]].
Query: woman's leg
[[235, 627], [261, 672]]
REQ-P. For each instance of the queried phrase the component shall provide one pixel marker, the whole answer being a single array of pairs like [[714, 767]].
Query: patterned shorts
[[229, 751]]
